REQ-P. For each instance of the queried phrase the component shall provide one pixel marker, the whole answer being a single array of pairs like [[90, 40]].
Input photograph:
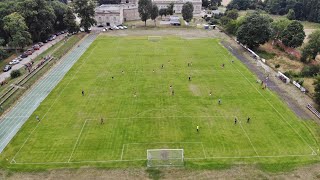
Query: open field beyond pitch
[[124, 83]]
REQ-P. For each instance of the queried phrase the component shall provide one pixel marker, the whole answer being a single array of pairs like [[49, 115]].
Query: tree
[[59, 9], [293, 35], [109, 2], [232, 14], [154, 13], [216, 2], [144, 8], [39, 17], [163, 12], [85, 10], [69, 20], [17, 29], [312, 49], [278, 27], [15, 74], [239, 4], [205, 3], [317, 91], [291, 15], [187, 11], [255, 30], [170, 9]]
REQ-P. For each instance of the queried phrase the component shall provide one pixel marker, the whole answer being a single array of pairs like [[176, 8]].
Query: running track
[[12, 121]]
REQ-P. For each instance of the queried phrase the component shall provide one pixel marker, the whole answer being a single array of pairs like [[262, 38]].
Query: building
[[116, 14], [197, 4]]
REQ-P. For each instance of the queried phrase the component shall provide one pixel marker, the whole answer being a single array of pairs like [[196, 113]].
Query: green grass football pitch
[[140, 112]]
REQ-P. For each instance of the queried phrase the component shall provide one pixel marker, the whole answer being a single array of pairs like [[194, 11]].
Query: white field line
[[75, 145], [55, 100], [204, 152], [122, 151], [272, 106], [165, 143], [133, 160], [248, 138]]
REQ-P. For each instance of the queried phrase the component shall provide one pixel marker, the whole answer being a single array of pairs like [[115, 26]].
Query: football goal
[[154, 38], [165, 157]]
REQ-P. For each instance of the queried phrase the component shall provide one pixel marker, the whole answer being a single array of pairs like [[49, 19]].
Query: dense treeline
[[42, 17], [298, 9]]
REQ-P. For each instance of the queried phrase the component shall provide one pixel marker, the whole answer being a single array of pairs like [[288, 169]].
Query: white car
[[115, 27], [15, 61], [120, 27], [125, 27]]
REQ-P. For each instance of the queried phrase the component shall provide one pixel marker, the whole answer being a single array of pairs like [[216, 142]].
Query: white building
[[178, 5], [116, 14]]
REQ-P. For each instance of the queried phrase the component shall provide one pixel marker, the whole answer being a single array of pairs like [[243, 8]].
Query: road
[[5, 75]]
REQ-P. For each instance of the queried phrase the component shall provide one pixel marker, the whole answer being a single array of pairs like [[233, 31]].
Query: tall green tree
[[255, 30], [278, 27], [170, 10], [291, 14], [187, 11], [216, 2], [163, 12], [69, 20], [205, 3], [17, 29], [60, 10], [144, 8], [39, 17], [312, 49], [232, 14], [317, 91], [293, 35], [154, 13], [85, 11]]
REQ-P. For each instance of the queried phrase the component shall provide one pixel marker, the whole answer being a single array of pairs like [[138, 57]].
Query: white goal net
[[165, 157], [154, 38]]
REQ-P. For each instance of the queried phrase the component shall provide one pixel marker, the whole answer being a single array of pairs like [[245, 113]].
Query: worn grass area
[[140, 112]]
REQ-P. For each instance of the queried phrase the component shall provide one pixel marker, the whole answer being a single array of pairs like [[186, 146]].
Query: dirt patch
[[286, 64], [194, 89], [237, 172]]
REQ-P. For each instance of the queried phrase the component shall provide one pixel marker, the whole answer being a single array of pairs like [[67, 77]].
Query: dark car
[[6, 68], [24, 55]]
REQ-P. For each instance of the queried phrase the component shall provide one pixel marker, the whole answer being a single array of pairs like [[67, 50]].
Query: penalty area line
[[75, 145], [134, 160]]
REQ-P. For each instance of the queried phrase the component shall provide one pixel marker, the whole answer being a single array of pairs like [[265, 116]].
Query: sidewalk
[[24, 61]]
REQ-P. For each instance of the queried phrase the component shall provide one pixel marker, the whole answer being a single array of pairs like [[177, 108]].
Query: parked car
[[100, 25], [125, 27], [28, 52], [18, 58], [40, 44], [24, 55], [110, 28], [120, 27], [115, 27], [6, 68], [36, 47], [15, 61]]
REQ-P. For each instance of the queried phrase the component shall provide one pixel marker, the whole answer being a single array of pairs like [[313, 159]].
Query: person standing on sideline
[[219, 101], [38, 119], [248, 120], [197, 128], [82, 92], [101, 121], [235, 120]]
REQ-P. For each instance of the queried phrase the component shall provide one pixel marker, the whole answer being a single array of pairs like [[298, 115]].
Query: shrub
[[309, 71], [277, 66], [15, 74]]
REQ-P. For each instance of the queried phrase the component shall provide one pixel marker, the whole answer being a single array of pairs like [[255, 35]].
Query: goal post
[[165, 157], [154, 38]]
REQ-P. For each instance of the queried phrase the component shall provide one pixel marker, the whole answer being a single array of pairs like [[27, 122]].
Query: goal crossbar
[[165, 157]]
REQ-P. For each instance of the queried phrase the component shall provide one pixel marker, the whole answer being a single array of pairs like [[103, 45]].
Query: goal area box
[[165, 157]]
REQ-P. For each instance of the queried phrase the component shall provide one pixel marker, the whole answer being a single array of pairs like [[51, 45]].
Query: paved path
[[24, 61], [11, 122]]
